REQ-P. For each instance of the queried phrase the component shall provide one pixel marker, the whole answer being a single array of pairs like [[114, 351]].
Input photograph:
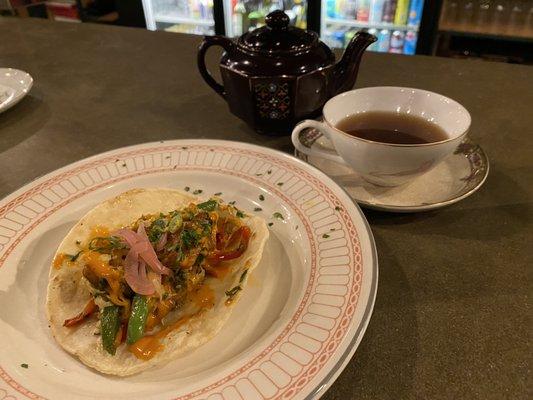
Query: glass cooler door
[[245, 15], [395, 23], [184, 16]]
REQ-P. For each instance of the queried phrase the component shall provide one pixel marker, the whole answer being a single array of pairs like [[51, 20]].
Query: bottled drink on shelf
[[409, 45], [466, 15], [396, 42], [517, 17], [363, 10], [402, 11], [450, 11], [299, 11], [330, 9], [528, 24], [389, 10], [339, 38], [350, 9], [239, 19], [373, 46], [376, 11], [383, 41], [483, 15], [415, 12], [500, 16], [349, 35], [339, 8]]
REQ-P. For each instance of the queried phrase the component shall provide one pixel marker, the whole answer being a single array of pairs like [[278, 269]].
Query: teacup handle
[[309, 150]]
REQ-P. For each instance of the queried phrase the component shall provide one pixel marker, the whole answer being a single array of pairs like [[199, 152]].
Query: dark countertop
[[451, 319]]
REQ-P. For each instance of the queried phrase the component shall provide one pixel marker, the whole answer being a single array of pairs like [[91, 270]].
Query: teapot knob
[[277, 20]]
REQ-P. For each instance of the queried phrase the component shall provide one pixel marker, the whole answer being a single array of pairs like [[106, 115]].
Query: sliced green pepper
[[110, 322], [137, 321], [208, 205]]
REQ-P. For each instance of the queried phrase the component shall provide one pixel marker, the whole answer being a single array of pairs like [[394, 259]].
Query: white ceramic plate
[[14, 85], [298, 323]]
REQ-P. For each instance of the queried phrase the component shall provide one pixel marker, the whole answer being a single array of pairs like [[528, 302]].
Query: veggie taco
[[149, 275]]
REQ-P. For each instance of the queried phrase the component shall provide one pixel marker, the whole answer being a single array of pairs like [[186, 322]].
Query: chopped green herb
[[269, 171], [240, 214], [258, 209], [78, 242], [189, 238], [232, 292], [199, 260], [232, 202], [158, 227], [75, 256], [270, 223], [124, 164], [331, 229], [167, 157], [243, 275], [280, 184], [105, 244], [258, 174], [325, 235], [261, 197], [186, 188], [175, 223], [197, 191], [278, 215], [337, 208], [184, 147], [296, 227], [218, 193], [24, 365], [209, 205]]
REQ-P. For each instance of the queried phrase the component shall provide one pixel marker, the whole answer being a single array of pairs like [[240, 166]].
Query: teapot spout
[[345, 71]]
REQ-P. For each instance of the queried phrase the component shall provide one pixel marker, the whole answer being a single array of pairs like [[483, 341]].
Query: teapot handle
[[209, 41]]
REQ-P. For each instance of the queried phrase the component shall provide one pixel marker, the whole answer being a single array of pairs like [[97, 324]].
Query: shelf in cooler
[[360, 24], [176, 19]]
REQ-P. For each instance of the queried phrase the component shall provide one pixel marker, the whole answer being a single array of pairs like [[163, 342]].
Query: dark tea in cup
[[392, 127]]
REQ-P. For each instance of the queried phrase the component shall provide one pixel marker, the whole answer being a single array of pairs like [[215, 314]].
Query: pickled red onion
[[143, 248]]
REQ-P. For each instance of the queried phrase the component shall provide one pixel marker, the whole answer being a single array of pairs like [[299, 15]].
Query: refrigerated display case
[[185, 16], [396, 23], [243, 15]]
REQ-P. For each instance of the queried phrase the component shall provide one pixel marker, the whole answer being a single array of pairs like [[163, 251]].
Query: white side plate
[[14, 85]]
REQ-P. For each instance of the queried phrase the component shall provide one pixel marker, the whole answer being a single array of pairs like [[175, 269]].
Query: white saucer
[[14, 85], [454, 179]]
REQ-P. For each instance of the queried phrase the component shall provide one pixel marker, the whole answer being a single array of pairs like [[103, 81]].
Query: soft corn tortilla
[[67, 295]]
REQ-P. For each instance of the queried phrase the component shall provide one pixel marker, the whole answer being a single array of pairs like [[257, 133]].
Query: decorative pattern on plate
[[320, 334]]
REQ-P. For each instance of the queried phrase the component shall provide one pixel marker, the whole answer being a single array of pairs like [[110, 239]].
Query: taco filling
[[139, 276]]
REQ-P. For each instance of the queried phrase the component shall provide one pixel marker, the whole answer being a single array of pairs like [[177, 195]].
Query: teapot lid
[[278, 37]]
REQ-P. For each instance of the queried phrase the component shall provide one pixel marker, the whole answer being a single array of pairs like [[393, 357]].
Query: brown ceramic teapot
[[277, 75]]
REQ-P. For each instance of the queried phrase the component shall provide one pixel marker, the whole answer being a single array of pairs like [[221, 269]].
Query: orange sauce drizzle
[[147, 347], [102, 269], [219, 271], [59, 259], [99, 231], [203, 297]]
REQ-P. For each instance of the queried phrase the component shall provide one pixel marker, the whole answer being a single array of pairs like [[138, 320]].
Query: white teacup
[[387, 164]]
